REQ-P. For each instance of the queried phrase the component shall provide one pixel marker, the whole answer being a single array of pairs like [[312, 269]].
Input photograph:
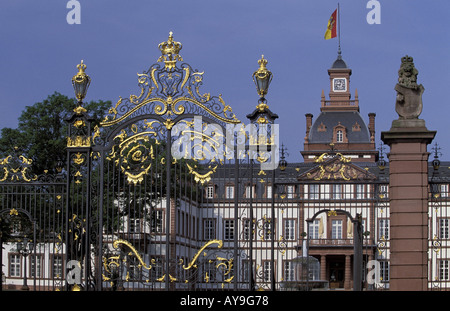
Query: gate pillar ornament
[[78, 233], [408, 185]]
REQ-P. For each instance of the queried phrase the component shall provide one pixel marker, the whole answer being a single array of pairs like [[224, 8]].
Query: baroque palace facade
[[343, 177], [313, 224]]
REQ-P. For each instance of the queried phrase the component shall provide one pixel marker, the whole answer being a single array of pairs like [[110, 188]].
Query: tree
[[41, 132]]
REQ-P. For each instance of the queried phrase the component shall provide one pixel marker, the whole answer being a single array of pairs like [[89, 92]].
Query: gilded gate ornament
[[113, 261], [168, 95], [134, 154], [169, 92], [336, 168], [169, 51], [16, 167]]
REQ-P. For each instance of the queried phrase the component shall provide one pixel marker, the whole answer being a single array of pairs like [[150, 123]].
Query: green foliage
[[42, 131]]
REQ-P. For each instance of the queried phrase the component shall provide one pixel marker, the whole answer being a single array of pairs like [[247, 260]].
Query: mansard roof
[[322, 129]]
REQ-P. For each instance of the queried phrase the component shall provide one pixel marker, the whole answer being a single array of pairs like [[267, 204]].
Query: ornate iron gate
[[150, 213], [32, 217]]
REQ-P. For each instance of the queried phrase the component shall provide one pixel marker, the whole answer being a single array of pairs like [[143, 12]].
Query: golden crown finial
[[262, 62], [169, 50], [81, 67]]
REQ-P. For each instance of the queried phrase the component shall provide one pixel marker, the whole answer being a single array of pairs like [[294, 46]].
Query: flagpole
[[339, 30]]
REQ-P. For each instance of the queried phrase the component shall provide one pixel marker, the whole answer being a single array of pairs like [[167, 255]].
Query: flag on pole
[[332, 26]]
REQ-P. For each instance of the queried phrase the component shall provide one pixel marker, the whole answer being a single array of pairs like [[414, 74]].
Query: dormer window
[[339, 136]]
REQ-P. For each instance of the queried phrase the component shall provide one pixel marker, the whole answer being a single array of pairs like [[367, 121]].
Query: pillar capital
[[407, 135]]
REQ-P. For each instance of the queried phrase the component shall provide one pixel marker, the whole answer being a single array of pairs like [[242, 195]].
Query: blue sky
[[118, 39]]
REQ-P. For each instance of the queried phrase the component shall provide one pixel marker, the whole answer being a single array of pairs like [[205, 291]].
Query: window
[[267, 269], [384, 271], [337, 192], [57, 268], [444, 190], [383, 229], [135, 225], [157, 268], [229, 192], [384, 191], [289, 272], [249, 191], [247, 229], [246, 270], [336, 229], [443, 228], [134, 268], [339, 136], [228, 229], [314, 192], [267, 226], [35, 266], [443, 270], [290, 192], [210, 272], [157, 221], [269, 191], [209, 229], [314, 229], [14, 265], [360, 193], [210, 192], [289, 229]]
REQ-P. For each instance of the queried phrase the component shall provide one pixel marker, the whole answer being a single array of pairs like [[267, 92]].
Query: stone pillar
[[323, 267], [348, 273], [408, 184], [408, 199]]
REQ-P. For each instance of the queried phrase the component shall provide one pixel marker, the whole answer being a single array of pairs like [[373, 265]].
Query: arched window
[[339, 136]]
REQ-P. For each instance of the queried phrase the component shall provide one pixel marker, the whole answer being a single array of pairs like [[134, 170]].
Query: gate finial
[[169, 51]]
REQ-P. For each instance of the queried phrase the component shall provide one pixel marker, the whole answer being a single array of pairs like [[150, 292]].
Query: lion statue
[[408, 103]]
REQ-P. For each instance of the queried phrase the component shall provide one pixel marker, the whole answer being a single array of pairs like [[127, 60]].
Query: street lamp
[[436, 162], [24, 248], [262, 78], [283, 163], [81, 82]]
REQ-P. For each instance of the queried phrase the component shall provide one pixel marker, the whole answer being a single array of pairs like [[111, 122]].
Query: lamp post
[[81, 82], [78, 159], [24, 248], [283, 163], [262, 78], [264, 143]]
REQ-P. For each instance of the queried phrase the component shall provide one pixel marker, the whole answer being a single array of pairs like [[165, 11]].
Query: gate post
[[78, 204], [408, 185], [358, 256]]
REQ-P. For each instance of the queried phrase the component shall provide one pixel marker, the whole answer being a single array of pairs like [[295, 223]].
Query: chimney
[[309, 117], [372, 126]]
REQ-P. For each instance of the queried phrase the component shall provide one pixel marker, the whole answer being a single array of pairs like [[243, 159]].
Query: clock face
[[339, 84]]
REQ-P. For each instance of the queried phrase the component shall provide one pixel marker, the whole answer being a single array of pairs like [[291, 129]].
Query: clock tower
[[339, 126], [340, 88]]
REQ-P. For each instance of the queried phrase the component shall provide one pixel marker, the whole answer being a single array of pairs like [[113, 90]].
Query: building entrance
[[336, 271]]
